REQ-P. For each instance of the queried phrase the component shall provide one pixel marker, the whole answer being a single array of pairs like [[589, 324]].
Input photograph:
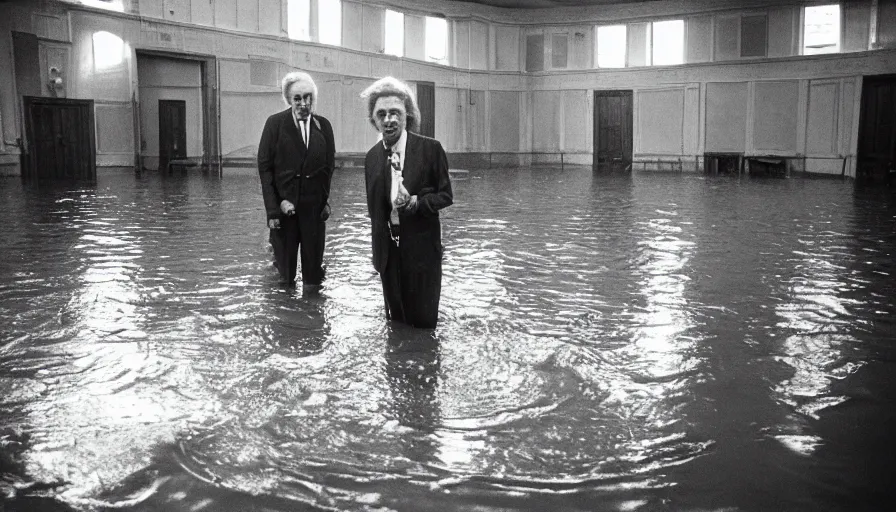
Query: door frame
[[860, 174], [28, 170], [211, 107], [598, 93]]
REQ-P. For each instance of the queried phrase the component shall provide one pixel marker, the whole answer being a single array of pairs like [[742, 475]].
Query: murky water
[[647, 342]]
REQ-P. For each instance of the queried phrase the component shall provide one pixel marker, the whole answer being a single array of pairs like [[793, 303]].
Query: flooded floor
[[642, 342]]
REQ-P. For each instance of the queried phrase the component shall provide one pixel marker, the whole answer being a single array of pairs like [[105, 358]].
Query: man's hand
[[410, 206], [274, 223], [325, 213], [287, 208]]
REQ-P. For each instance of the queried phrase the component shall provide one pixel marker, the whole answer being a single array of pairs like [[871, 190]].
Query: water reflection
[[646, 342]]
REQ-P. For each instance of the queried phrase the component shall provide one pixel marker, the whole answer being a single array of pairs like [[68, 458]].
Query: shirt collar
[[298, 121], [399, 146]]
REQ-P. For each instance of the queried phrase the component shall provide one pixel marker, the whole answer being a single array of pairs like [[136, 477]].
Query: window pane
[[329, 21], [437, 40], [113, 5], [394, 33], [298, 19], [108, 50], [821, 29], [668, 42], [611, 46]]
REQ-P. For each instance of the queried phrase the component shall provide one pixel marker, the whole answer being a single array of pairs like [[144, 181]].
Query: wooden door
[[877, 130], [61, 140], [426, 100], [612, 130], [172, 131]]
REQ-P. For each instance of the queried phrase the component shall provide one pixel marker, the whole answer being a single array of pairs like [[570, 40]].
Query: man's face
[[390, 118], [301, 98]]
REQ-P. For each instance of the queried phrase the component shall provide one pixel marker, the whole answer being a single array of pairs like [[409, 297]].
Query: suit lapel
[[411, 171]]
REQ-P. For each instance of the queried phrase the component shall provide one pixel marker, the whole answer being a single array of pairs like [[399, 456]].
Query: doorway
[[426, 100], [612, 131], [61, 139], [174, 77], [876, 162], [172, 132]]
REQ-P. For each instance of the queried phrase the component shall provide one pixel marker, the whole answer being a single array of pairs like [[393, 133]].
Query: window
[[298, 19], [108, 50], [611, 43], [437, 40], [329, 21], [394, 33], [821, 29], [112, 5], [668, 42]]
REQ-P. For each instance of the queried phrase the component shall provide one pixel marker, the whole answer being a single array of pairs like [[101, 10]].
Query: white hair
[[297, 76]]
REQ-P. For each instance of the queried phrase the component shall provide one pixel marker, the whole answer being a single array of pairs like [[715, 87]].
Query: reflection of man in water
[[412, 370], [407, 183], [296, 157]]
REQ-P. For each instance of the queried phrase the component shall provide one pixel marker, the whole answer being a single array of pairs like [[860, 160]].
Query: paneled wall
[[487, 102]]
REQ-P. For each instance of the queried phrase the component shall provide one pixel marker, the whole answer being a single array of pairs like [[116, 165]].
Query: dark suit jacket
[[288, 170], [426, 176]]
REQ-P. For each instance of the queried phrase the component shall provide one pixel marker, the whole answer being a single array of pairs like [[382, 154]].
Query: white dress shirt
[[397, 149]]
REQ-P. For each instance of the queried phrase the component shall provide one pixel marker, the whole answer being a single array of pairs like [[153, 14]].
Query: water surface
[[628, 342]]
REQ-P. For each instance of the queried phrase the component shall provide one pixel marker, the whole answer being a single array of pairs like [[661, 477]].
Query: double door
[[60, 139]]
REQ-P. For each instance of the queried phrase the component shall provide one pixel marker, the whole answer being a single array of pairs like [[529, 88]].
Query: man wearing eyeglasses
[[407, 181], [296, 158]]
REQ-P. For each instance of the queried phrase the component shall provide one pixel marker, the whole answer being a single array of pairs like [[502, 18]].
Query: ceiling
[[541, 4]]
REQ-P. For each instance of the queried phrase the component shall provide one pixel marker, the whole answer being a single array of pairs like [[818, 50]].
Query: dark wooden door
[[60, 138], [426, 100], [172, 131], [612, 130], [877, 130]]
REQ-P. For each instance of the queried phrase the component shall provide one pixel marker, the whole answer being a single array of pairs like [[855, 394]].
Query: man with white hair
[[296, 158], [407, 182]]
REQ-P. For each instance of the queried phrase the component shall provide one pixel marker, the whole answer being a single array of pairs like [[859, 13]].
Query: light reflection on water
[[606, 342]]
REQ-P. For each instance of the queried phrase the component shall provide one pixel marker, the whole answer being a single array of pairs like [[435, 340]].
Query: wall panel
[[781, 25], [726, 116], [247, 15], [660, 119], [576, 121], [775, 115], [856, 25], [638, 44], [507, 48], [547, 120], [415, 37], [479, 45], [270, 18], [225, 13], [374, 18], [461, 44], [821, 121], [477, 121], [114, 128], [352, 19], [504, 120], [699, 39], [726, 45]]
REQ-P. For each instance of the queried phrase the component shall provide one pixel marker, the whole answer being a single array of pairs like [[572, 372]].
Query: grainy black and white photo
[[447, 255]]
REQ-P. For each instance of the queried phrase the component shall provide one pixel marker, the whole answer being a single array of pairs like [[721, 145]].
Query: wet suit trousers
[[300, 236], [411, 288]]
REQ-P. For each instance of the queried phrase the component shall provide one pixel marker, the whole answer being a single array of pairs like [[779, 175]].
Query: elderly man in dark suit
[[407, 181], [296, 158]]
